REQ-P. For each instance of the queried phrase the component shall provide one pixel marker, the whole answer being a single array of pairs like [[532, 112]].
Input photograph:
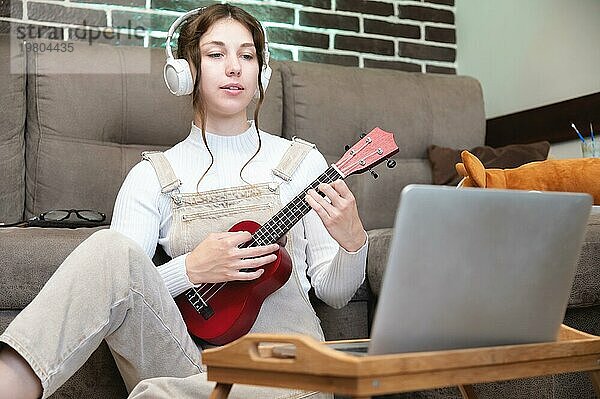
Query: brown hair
[[188, 47]]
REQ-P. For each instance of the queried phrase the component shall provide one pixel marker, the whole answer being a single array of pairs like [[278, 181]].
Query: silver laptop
[[474, 267]]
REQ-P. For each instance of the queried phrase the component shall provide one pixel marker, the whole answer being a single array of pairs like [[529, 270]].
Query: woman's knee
[[112, 244], [108, 237], [108, 250]]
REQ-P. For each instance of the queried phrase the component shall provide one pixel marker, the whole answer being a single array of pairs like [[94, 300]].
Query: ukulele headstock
[[369, 151]]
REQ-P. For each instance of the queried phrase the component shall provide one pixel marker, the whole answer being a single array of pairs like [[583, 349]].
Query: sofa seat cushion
[[586, 285], [30, 256]]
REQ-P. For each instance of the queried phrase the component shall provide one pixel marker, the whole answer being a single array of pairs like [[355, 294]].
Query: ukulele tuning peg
[[362, 135], [391, 163], [374, 174], [346, 147]]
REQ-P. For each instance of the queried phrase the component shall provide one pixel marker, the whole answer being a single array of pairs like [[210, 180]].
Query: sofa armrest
[[29, 256], [379, 244], [351, 321], [586, 286]]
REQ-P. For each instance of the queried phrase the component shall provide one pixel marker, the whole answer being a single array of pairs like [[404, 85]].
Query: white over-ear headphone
[[177, 72]]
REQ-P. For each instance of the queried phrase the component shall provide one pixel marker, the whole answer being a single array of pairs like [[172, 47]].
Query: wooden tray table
[[296, 361]]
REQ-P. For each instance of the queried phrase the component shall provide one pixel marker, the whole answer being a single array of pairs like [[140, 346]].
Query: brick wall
[[417, 36]]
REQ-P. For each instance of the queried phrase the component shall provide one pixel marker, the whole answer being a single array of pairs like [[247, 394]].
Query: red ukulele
[[219, 313]]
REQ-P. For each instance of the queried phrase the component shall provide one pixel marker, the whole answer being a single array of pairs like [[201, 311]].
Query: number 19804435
[[41, 47]]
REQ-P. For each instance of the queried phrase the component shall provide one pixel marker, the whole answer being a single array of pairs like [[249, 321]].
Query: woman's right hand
[[218, 258]]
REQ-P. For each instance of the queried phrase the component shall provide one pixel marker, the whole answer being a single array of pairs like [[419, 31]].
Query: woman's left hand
[[340, 217]]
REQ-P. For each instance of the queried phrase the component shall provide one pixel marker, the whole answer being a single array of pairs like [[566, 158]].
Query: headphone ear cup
[[178, 77]]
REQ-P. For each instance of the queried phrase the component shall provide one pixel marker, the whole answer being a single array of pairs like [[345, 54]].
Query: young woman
[[186, 199]]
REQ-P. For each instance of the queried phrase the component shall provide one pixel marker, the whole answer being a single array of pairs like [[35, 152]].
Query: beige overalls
[[195, 215]]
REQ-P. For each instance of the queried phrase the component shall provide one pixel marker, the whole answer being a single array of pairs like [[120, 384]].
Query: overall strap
[[166, 176], [292, 158]]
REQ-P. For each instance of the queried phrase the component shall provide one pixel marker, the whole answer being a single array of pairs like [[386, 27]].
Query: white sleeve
[[334, 272], [137, 215]]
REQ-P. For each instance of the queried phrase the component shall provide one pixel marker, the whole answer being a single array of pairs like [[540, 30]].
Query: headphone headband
[[176, 24], [177, 73]]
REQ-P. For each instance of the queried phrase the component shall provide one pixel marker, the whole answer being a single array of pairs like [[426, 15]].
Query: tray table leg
[[467, 391], [221, 391], [595, 375]]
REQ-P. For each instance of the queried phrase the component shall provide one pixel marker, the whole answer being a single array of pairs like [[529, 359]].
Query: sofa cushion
[[331, 105], [586, 285], [92, 111], [29, 257], [379, 245], [444, 159], [12, 125]]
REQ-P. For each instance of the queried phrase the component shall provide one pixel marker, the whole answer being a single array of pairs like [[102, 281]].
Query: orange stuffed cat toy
[[575, 175]]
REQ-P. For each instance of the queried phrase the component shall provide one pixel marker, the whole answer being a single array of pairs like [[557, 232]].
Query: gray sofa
[[68, 139]]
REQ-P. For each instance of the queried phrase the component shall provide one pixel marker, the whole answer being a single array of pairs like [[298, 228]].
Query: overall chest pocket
[[217, 213]]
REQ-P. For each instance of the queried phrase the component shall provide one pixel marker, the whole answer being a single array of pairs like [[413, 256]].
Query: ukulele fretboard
[[289, 215]]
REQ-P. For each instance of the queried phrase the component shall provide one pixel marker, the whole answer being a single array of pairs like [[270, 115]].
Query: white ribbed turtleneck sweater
[[144, 214]]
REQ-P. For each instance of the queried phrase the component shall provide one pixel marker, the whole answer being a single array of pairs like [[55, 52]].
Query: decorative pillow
[[443, 159]]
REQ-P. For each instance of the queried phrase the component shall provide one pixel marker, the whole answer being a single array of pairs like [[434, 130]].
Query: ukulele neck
[[289, 215]]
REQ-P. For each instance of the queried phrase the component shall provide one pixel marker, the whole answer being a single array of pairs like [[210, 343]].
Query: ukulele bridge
[[205, 311], [200, 305]]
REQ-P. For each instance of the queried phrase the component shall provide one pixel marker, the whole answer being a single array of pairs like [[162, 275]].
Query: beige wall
[[529, 53]]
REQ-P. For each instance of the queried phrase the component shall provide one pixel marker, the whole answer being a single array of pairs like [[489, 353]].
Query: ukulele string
[[202, 286], [375, 153], [330, 174], [303, 206], [361, 162], [353, 152], [257, 239], [221, 285]]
